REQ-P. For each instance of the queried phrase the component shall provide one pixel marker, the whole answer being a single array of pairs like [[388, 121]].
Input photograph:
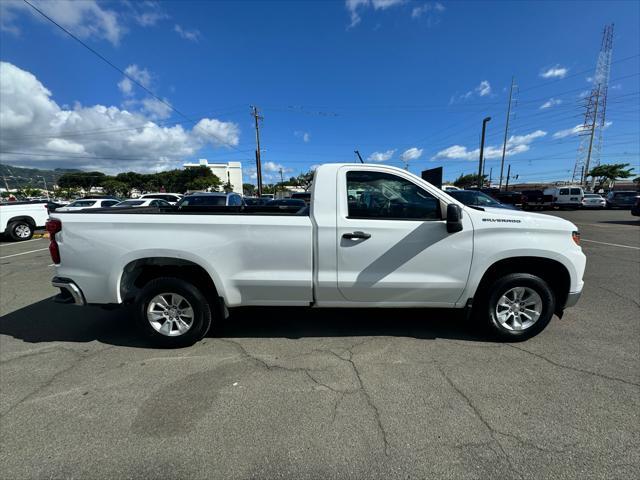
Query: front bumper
[[70, 293], [572, 299]]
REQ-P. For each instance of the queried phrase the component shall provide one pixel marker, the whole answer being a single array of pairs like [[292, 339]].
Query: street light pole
[[480, 164], [45, 188]]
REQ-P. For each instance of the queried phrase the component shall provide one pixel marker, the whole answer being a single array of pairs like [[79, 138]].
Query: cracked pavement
[[297, 393]]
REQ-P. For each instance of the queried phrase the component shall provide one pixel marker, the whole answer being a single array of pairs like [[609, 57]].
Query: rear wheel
[[173, 312], [20, 231], [518, 306]]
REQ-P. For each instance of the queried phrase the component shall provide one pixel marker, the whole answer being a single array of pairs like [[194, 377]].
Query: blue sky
[[394, 79]]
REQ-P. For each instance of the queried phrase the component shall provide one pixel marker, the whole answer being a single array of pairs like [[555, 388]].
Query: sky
[[407, 83]]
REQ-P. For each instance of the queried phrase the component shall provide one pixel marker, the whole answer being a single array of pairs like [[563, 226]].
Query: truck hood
[[507, 217]]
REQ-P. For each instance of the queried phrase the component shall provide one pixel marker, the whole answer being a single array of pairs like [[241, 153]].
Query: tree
[[609, 173], [249, 189], [466, 181], [112, 186], [305, 180], [85, 180]]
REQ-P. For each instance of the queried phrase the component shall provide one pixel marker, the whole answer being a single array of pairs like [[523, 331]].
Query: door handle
[[356, 236]]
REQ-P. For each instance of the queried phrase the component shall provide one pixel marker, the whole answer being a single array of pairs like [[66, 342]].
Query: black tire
[[199, 304], [20, 231], [488, 304]]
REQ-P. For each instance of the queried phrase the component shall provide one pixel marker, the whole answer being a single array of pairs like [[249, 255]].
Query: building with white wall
[[226, 172]]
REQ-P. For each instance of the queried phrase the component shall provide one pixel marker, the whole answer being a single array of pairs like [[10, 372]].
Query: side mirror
[[454, 218]]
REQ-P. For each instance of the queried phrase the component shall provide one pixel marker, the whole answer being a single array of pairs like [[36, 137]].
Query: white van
[[569, 196]]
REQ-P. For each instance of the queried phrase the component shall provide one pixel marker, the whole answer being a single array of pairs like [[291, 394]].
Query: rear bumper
[[572, 299], [70, 293]]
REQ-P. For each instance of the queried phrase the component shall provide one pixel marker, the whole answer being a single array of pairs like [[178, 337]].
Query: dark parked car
[[535, 199], [255, 201], [635, 210], [510, 198], [304, 196], [286, 202], [474, 198], [621, 199]]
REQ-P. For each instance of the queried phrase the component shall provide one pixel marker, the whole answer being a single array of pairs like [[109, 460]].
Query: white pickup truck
[[18, 220], [373, 236]]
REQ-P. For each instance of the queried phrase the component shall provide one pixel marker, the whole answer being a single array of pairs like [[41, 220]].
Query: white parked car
[[172, 198], [448, 188], [399, 243], [18, 220], [142, 202], [88, 203], [593, 200]]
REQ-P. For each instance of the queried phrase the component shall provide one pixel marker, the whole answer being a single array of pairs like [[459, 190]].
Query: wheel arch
[[139, 272], [24, 218], [551, 271]]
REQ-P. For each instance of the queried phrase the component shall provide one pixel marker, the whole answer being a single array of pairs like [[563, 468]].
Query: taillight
[[575, 235], [53, 226]]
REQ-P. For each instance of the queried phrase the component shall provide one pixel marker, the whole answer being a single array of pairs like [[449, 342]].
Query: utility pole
[[281, 181], [506, 134], [585, 170], [357, 152], [490, 175], [481, 165], [508, 175], [257, 117], [45, 187]]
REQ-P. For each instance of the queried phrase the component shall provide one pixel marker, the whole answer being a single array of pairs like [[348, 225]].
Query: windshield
[[130, 203], [591, 195], [82, 203]]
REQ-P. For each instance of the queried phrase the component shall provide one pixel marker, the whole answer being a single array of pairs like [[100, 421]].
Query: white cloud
[[484, 88], [155, 109], [141, 75], [221, 133], [569, 131], [552, 102], [273, 167], [580, 128], [554, 72], [86, 19], [355, 6], [193, 35], [98, 137], [147, 13], [380, 156], [421, 10], [411, 154], [515, 144], [306, 136]]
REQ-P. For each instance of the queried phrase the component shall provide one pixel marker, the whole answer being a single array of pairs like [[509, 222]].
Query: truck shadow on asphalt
[[46, 321]]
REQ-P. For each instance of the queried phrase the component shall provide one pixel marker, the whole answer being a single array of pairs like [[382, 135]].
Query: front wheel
[[173, 312], [518, 307]]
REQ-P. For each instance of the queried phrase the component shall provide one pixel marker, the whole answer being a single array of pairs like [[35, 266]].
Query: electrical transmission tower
[[594, 123]]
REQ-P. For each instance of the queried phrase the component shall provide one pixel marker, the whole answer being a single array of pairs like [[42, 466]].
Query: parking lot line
[[19, 243], [611, 244], [24, 253]]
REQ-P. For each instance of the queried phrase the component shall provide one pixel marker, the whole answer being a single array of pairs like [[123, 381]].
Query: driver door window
[[383, 196]]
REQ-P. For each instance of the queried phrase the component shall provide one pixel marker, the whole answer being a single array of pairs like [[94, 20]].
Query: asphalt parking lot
[[296, 393]]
